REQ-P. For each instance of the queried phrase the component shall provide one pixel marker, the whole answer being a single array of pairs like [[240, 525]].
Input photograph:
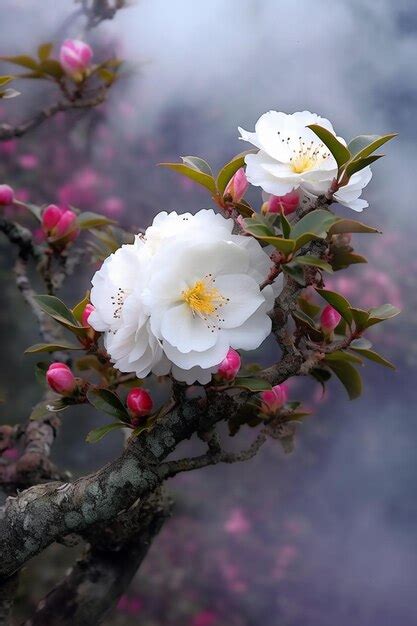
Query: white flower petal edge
[[292, 157], [182, 295]]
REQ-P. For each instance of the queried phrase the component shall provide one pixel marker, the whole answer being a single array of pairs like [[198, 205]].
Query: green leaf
[[57, 309], [51, 347], [316, 223], [78, 310], [252, 384], [244, 208], [229, 170], [374, 356], [286, 246], [348, 376], [381, 313], [23, 60], [341, 355], [259, 226], [296, 273], [363, 145], [100, 432], [308, 307], [52, 68], [108, 402], [358, 165], [360, 317], [44, 51], [309, 259], [285, 225], [106, 75], [350, 226], [338, 150], [198, 164], [93, 220], [342, 258], [5, 80], [338, 302], [199, 177]]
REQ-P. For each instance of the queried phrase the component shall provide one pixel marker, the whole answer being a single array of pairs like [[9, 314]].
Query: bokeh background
[[326, 535]]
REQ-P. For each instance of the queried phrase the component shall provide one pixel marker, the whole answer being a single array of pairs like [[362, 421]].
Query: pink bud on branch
[[86, 314], [274, 399], [329, 319], [6, 195], [237, 186], [230, 365], [139, 403], [59, 225], [282, 204], [75, 57], [61, 379]]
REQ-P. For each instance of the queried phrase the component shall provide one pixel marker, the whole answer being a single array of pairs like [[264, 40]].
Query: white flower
[[291, 156], [181, 296]]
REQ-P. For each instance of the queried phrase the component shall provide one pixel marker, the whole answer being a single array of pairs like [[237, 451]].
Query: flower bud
[[230, 365], [6, 195], [282, 204], [329, 319], [59, 224], [274, 399], [86, 314], [237, 186], [139, 403], [75, 57], [60, 379]]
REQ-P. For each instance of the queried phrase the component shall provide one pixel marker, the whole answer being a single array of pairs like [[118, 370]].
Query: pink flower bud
[[6, 195], [60, 224], [60, 379], [329, 319], [86, 314], [230, 365], [237, 186], [274, 399], [283, 204], [50, 217], [139, 403], [75, 56]]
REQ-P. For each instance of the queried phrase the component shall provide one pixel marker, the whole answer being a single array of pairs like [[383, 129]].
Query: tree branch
[[10, 132], [99, 578]]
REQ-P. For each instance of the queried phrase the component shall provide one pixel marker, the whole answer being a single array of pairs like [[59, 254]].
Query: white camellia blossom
[[291, 156], [181, 296]]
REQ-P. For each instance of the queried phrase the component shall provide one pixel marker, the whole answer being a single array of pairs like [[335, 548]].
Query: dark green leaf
[[337, 301], [348, 376], [57, 309], [52, 68], [338, 150], [285, 225], [381, 313], [296, 272], [358, 165], [229, 170], [252, 384], [93, 220], [350, 226], [108, 402], [43, 409], [317, 223], [51, 347], [341, 355], [78, 310], [360, 317], [199, 177], [23, 60], [5, 80], [44, 51], [374, 356], [286, 246], [314, 261], [100, 432]]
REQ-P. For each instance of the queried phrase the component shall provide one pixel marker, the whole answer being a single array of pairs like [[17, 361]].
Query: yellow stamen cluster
[[202, 298]]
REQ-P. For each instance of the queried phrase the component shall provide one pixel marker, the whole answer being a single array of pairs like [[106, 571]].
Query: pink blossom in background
[[131, 605], [205, 618], [9, 147], [237, 523], [28, 161], [113, 206]]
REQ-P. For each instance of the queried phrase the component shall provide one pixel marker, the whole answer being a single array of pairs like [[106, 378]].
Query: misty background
[[326, 535]]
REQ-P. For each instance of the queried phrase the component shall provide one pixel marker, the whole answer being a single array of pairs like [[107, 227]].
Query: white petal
[[187, 331], [243, 298], [209, 358]]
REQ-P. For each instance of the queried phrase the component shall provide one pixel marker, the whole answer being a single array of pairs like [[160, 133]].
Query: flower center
[[202, 298], [306, 155]]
